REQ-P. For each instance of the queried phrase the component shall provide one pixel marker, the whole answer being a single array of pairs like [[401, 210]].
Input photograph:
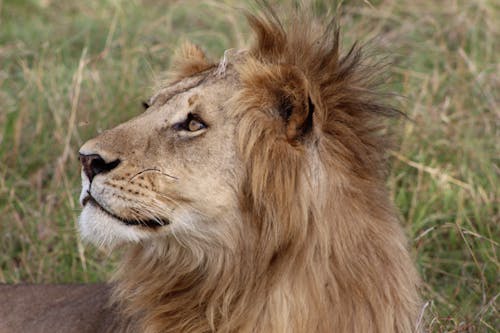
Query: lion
[[250, 196]]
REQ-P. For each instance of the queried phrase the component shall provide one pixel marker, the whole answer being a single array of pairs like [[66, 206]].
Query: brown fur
[[188, 60], [68, 308], [318, 247]]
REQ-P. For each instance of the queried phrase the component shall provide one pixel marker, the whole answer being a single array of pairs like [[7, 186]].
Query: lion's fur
[[64, 308], [188, 60], [316, 245]]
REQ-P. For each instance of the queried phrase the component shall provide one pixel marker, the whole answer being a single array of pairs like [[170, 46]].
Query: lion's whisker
[[166, 197], [152, 170]]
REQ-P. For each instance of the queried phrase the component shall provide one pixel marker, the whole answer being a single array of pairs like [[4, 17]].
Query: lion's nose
[[94, 164]]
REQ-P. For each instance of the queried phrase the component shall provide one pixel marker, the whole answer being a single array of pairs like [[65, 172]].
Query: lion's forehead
[[206, 100], [165, 94], [209, 80]]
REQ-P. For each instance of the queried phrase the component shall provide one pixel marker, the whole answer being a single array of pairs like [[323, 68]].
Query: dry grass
[[69, 69]]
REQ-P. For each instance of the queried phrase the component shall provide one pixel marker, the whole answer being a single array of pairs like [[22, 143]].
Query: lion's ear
[[294, 104], [298, 116], [283, 93], [189, 59]]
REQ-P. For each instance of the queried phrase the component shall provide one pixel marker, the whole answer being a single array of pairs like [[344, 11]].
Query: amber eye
[[192, 123]]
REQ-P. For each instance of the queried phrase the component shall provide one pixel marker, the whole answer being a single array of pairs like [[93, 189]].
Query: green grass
[[69, 69]]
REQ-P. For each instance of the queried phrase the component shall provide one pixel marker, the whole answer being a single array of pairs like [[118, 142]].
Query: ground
[[71, 69]]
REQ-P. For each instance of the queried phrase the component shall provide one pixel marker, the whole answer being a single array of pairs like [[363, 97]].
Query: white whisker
[[152, 170]]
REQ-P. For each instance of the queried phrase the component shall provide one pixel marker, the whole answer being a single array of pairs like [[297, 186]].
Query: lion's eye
[[192, 123], [195, 125]]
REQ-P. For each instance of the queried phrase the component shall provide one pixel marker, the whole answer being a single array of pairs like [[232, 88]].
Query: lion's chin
[[101, 229]]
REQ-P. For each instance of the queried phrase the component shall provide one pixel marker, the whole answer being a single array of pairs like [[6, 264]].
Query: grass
[[70, 69]]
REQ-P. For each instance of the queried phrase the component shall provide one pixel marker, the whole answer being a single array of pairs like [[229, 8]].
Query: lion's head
[[252, 192], [172, 171]]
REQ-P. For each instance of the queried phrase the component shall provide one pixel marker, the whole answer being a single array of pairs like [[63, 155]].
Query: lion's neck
[[222, 292], [340, 275]]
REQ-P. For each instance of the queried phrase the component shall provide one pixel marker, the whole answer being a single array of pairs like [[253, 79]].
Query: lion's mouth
[[148, 223]]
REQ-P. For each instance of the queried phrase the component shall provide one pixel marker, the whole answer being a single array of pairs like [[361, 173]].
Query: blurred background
[[69, 69]]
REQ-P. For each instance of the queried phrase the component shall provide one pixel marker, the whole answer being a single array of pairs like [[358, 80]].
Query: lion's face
[[172, 169]]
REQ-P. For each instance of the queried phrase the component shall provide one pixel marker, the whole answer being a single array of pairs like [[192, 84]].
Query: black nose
[[94, 164]]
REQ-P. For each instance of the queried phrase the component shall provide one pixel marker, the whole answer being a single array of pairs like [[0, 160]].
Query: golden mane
[[316, 246]]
